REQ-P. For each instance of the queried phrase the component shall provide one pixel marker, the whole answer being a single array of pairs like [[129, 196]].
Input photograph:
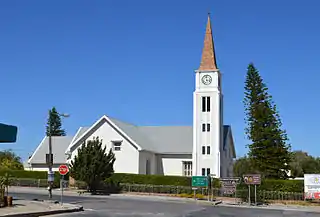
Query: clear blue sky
[[135, 61]]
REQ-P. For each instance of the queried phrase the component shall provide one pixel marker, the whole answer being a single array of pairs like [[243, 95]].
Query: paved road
[[117, 207]]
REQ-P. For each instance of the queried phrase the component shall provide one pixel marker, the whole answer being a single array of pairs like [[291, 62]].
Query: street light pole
[[50, 157]]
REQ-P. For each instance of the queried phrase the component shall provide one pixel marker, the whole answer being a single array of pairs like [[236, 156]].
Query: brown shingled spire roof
[[208, 60]]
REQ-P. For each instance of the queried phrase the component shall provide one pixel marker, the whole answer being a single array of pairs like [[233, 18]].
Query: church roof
[[208, 59], [157, 139], [161, 139]]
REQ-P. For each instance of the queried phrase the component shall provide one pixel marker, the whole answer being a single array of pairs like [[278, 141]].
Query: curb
[[288, 208], [43, 213]]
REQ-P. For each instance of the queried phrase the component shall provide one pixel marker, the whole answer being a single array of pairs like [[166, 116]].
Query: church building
[[206, 148]]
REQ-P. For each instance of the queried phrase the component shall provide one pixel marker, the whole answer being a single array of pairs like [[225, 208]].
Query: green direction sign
[[8, 133], [199, 181]]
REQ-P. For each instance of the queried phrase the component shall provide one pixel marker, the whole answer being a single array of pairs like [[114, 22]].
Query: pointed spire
[[208, 60]]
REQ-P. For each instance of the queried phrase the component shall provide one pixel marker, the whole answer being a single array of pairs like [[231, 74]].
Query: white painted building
[[205, 148]]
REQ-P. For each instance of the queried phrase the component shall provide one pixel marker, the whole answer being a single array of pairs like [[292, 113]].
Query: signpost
[[198, 181], [252, 179], [229, 185], [63, 170]]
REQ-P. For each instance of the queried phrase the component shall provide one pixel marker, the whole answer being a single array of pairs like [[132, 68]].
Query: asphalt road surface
[[134, 207]]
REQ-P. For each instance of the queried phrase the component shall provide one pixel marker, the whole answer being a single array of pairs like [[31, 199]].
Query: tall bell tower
[[207, 112]]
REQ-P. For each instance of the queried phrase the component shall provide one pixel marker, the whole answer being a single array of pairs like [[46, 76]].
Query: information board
[[252, 179], [312, 186]]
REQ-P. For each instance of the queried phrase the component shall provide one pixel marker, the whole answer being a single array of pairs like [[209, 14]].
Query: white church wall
[[147, 163], [172, 164], [127, 158], [41, 167], [213, 117]]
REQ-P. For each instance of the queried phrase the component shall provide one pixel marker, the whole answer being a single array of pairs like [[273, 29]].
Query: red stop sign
[[63, 169]]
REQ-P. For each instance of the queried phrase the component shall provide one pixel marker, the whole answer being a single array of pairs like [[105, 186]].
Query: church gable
[[105, 129]]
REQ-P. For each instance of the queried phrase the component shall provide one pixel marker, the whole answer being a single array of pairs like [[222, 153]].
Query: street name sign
[[199, 181]]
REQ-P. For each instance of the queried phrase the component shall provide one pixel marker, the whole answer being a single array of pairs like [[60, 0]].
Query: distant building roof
[[59, 145]]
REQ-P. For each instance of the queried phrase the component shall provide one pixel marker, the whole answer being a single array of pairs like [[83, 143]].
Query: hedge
[[150, 179], [26, 174], [278, 185], [266, 185]]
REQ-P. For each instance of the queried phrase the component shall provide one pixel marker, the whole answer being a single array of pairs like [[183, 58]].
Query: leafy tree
[[303, 163], [243, 165], [92, 164], [54, 120], [9, 160], [269, 150]]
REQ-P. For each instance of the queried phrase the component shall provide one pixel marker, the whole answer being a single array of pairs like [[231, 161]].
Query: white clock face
[[206, 79]]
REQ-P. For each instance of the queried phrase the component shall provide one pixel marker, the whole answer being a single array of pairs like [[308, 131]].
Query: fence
[[243, 194], [185, 191]]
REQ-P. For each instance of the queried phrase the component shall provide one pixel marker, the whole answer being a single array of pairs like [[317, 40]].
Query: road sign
[[8, 133], [229, 185], [252, 179], [199, 181], [232, 181], [63, 169]]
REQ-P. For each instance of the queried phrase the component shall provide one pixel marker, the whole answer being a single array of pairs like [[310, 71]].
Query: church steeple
[[208, 60]]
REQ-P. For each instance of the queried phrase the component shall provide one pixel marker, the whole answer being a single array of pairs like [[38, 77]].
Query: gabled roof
[[59, 145], [158, 139], [119, 127], [169, 139]]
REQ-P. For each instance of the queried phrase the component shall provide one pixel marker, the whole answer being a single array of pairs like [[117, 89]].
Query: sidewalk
[[36, 208]]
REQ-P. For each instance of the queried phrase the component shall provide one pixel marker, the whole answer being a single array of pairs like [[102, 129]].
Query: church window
[[206, 105], [208, 150], [187, 168], [203, 171], [208, 171], [116, 145], [203, 150], [205, 127]]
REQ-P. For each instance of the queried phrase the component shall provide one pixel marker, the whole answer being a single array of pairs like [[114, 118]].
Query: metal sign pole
[[255, 194], [61, 186], [249, 195]]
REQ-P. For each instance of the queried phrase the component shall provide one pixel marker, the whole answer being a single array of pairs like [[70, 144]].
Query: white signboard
[[312, 186]]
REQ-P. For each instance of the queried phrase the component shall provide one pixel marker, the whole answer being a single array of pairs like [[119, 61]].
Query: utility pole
[[50, 158]]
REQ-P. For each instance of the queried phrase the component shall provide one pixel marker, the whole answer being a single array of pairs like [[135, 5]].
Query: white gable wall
[[127, 159], [147, 163], [172, 164]]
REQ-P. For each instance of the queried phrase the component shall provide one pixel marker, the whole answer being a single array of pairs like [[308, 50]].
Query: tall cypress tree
[[54, 120], [269, 150]]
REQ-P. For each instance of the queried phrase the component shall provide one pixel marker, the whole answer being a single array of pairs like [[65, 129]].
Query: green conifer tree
[[54, 120], [269, 150], [92, 164]]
